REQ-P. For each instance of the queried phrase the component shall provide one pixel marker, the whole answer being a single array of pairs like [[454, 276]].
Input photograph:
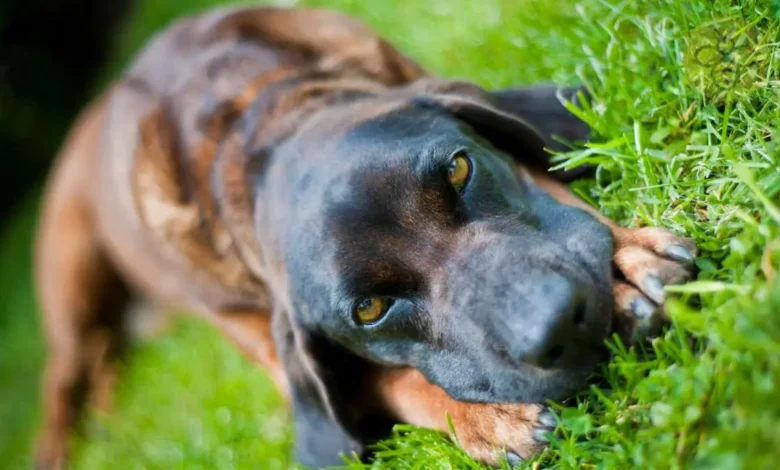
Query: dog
[[390, 246]]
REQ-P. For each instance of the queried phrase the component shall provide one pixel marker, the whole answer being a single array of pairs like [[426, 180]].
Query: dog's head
[[409, 233]]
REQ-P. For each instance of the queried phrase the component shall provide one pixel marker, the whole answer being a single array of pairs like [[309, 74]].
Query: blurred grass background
[[688, 147]]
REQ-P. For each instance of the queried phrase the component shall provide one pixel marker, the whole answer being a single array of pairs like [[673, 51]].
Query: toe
[[659, 241], [545, 426], [649, 272], [636, 316]]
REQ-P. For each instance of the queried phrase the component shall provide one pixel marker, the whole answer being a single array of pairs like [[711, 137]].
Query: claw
[[540, 435], [642, 308], [513, 459], [547, 419], [680, 253], [655, 289]]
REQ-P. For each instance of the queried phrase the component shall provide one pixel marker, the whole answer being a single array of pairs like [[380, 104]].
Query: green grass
[[682, 146], [21, 355], [188, 401]]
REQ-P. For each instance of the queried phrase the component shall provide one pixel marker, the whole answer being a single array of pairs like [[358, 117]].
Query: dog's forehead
[[409, 122], [352, 149], [374, 176], [396, 148], [391, 159], [378, 121], [394, 200]]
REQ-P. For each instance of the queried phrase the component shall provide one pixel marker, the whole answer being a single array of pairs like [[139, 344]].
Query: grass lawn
[[686, 142]]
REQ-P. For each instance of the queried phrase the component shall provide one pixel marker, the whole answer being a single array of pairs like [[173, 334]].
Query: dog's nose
[[557, 325]]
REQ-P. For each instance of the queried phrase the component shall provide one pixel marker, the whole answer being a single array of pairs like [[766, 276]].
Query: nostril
[[553, 354]]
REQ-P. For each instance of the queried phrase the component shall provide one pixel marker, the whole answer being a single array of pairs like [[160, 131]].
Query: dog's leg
[[82, 299], [486, 431], [645, 260]]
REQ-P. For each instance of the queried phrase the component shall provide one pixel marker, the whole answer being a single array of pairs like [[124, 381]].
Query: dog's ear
[[521, 122], [330, 393], [542, 106]]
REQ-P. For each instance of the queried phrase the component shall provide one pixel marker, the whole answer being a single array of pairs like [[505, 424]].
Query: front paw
[[646, 260], [491, 433]]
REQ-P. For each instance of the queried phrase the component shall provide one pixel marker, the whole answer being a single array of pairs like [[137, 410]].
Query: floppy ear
[[521, 122], [542, 106], [332, 401]]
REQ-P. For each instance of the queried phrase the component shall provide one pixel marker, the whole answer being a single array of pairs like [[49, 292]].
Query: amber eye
[[370, 310], [459, 170]]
